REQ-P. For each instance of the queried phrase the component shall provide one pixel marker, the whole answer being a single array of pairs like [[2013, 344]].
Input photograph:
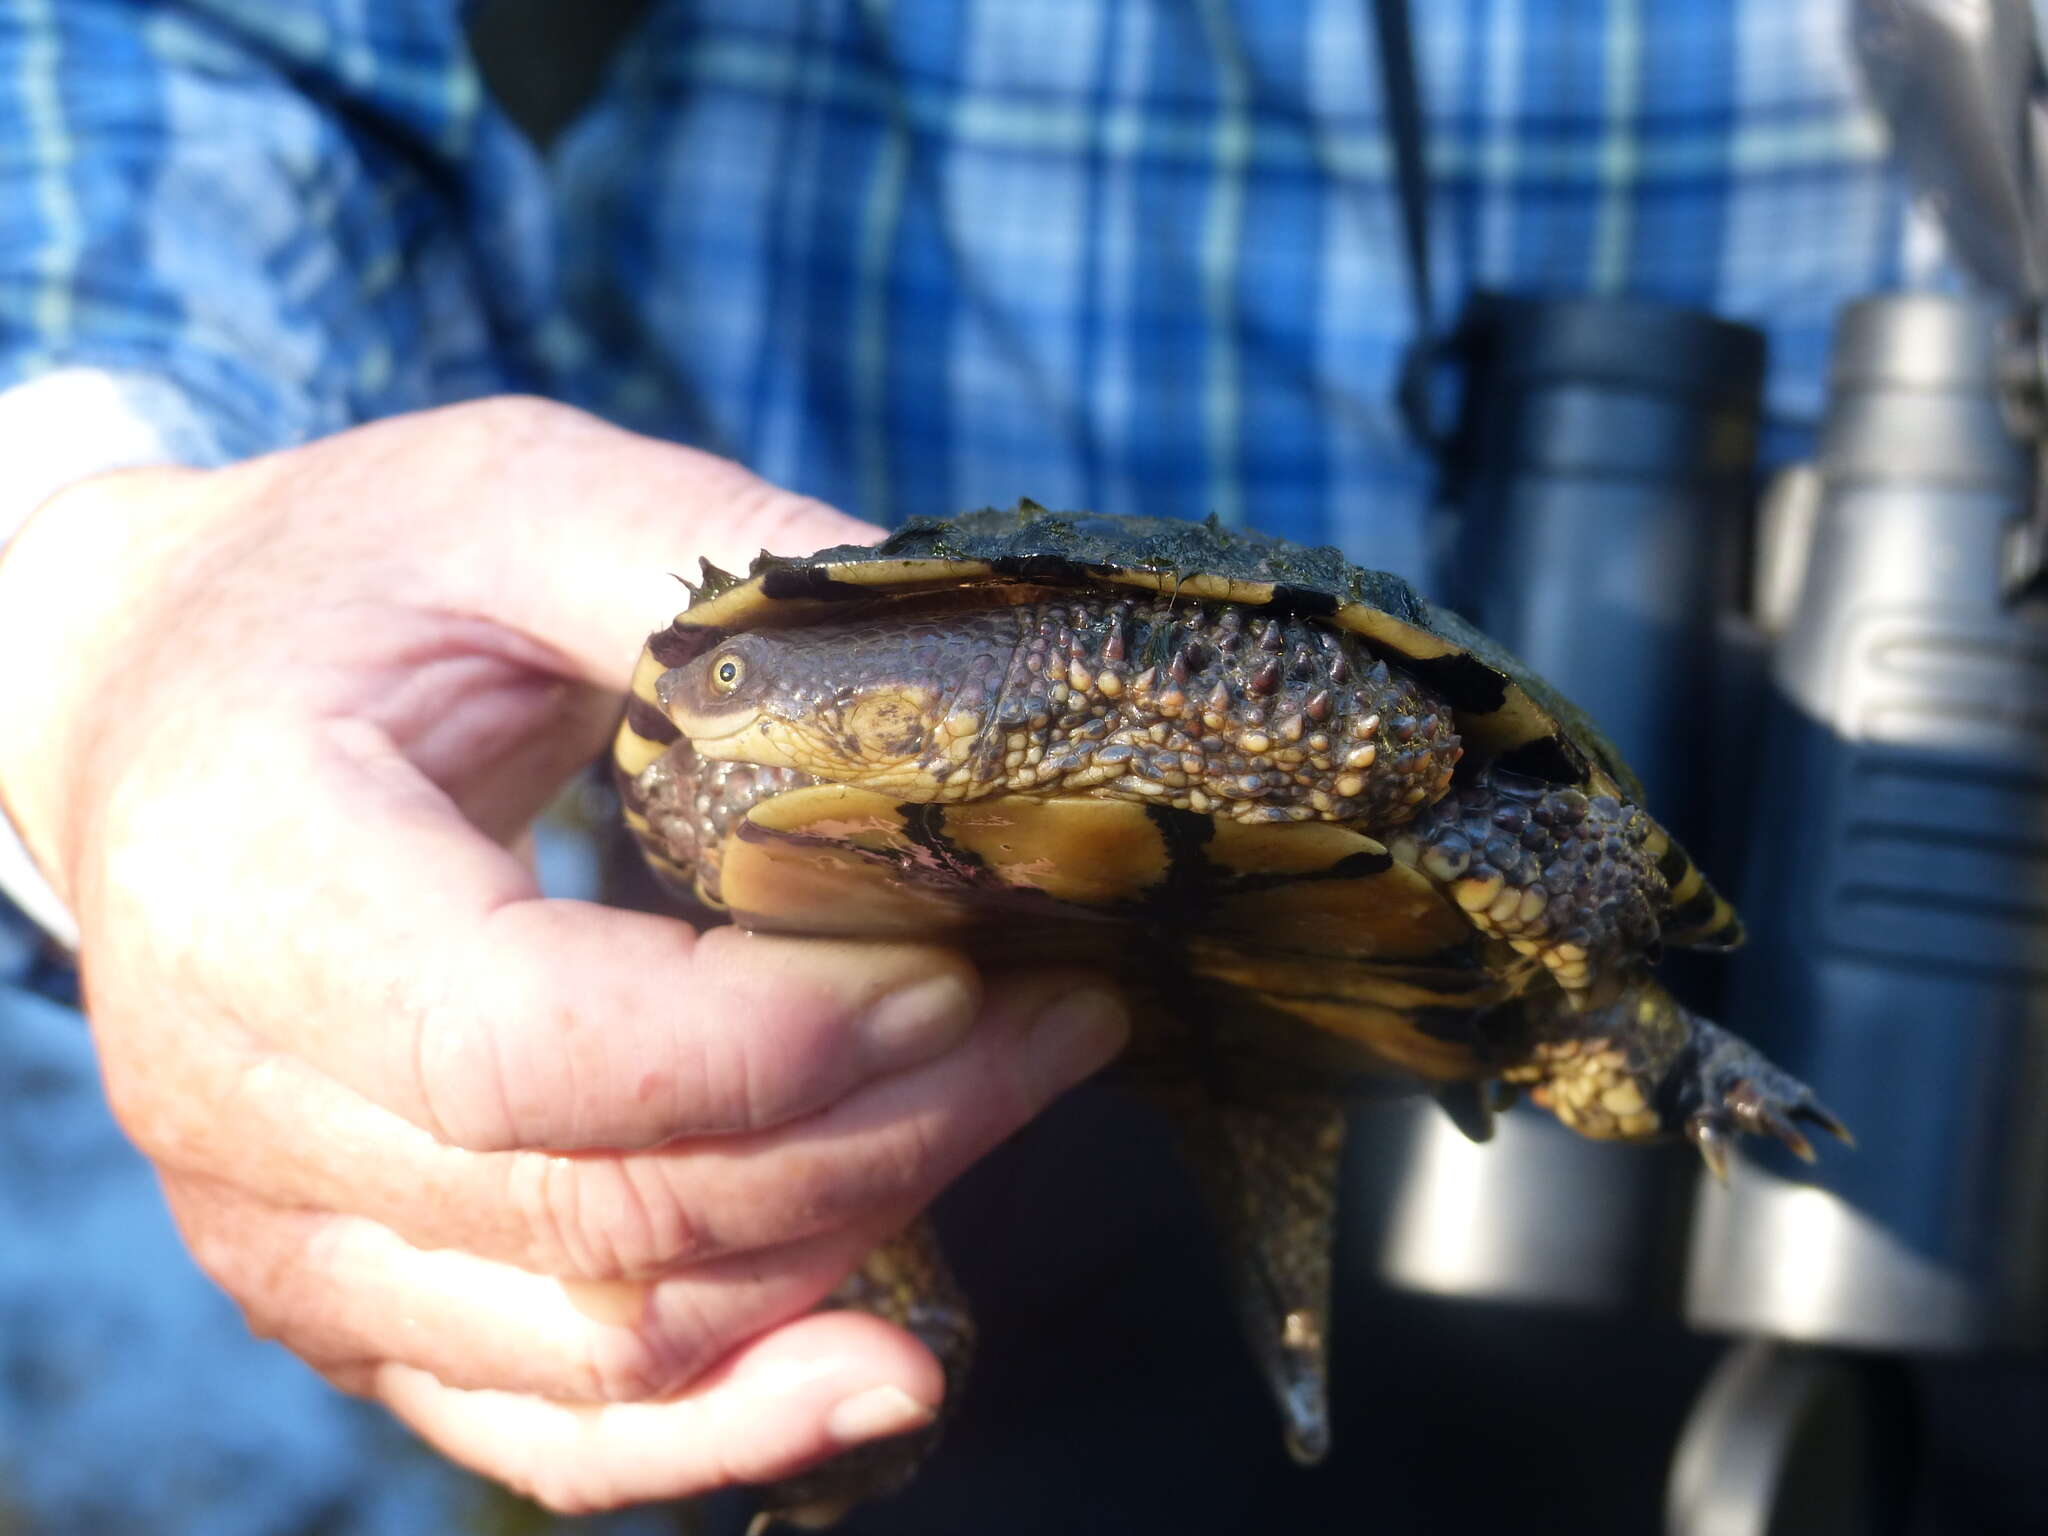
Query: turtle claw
[[1789, 1137], [1711, 1142], [1815, 1115], [1470, 1107], [1736, 1091]]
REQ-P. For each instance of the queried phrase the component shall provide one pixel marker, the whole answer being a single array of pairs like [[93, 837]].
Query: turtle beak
[[673, 691]]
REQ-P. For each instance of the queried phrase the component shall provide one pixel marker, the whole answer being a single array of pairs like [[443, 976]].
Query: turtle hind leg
[[1644, 1067], [904, 1281], [1269, 1172]]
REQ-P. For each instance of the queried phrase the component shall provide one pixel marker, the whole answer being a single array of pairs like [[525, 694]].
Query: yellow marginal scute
[[646, 673], [1393, 633], [1255, 594], [1518, 721], [745, 604], [907, 573], [633, 752]]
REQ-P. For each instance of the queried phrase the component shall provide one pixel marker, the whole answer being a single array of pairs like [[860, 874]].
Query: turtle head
[[847, 706]]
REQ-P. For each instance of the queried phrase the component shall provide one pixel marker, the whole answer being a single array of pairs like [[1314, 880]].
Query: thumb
[[572, 531], [603, 577]]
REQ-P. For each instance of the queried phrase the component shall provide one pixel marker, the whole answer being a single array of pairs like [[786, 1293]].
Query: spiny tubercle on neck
[[1203, 706]]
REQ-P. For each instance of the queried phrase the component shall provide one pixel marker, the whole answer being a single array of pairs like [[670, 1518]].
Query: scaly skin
[[1182, 704], [691, 803], [1559, 875]]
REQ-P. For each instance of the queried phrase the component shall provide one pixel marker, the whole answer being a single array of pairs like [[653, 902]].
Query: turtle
[[1331, 838]]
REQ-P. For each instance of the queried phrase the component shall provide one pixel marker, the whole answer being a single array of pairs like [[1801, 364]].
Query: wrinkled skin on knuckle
[[538, 1191], [821, 1187], [891, 1170], [602, 1217], [519, 1048], [644, 1215], [913, 1161], [759, 1076]]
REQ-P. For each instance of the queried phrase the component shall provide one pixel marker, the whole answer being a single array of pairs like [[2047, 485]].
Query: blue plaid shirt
[[910, 256], [1139, 255]]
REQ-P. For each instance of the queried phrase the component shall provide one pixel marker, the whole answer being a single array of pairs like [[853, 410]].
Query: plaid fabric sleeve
[[267, 208], [234, 225]]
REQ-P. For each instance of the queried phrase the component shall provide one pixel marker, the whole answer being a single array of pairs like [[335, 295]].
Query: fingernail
[[1076, 1035], [918, 1022], [875, 1414]]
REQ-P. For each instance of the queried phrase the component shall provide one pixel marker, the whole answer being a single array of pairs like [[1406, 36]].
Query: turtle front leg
[[1644, 1067]]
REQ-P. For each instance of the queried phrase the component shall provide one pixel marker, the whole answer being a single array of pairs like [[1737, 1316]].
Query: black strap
[[544, 60], [1411, 165], [1403, 97]]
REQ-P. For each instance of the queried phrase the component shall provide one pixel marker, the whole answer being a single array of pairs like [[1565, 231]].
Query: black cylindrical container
[[1599, 482]]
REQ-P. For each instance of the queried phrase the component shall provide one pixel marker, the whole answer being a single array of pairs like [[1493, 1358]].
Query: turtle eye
[[726, 673]]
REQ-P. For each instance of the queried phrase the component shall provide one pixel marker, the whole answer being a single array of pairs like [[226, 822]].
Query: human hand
[[559, 1184]]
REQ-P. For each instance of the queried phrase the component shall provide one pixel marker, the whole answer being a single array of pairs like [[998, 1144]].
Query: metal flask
[[1601, 475], [1897, 886]]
